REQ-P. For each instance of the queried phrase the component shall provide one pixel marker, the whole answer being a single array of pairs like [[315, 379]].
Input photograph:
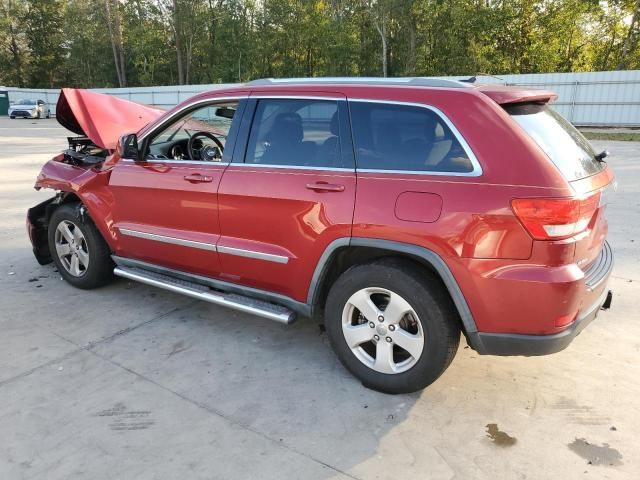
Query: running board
[[242, 303]]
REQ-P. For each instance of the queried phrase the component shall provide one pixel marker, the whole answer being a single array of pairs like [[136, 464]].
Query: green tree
[[45, 38], [13, 49]]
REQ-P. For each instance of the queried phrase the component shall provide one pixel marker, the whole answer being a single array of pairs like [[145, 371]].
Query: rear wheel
[[82, 256], [392, 325]]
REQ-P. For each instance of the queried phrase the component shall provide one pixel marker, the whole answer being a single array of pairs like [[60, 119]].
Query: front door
[[165, 206], [289, 192]]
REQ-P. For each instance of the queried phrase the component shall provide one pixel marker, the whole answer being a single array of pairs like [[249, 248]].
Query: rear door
[[165, 206], [289, 192]]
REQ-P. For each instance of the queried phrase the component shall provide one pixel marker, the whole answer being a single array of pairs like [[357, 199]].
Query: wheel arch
[[345, 252], [38, 218]]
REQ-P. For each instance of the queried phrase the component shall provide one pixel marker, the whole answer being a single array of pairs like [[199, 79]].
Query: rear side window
[[562, 142], [406, 138], [290, 132]]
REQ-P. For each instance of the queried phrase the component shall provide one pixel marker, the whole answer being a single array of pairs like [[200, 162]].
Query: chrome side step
[[242, 303]]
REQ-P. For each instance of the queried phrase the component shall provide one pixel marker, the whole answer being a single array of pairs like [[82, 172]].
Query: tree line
[[106, 43]]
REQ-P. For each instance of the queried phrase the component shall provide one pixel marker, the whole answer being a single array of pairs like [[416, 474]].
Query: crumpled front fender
[[89, 185], [62, 176]]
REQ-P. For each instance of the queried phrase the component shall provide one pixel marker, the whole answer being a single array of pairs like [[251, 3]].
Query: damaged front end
[[77, 177], [37, 227], [80, 174], [83, 152], [70, 174], [67, 173]]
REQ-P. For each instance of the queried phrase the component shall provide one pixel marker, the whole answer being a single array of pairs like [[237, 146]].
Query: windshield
[[26, 102], [562, 142]]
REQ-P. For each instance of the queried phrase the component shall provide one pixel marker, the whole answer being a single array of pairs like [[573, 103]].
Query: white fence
[[589, 98], [610, 99]]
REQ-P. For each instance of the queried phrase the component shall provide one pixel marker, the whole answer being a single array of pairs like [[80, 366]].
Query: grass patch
[[620, 136]]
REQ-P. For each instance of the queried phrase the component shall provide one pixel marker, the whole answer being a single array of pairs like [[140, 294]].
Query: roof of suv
[[501, 94]]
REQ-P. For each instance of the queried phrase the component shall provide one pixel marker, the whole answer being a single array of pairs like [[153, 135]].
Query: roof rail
[[409, 81]]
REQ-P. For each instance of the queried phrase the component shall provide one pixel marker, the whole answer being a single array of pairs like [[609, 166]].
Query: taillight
[[555, 218]]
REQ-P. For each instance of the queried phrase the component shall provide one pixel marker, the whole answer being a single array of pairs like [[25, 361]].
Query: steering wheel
[[205, 152]]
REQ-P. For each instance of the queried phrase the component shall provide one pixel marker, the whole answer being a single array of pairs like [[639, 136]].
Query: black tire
[[435, 311], [12, 118], [99, 271]]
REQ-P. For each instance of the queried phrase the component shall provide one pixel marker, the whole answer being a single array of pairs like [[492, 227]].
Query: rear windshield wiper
[[601, 156]]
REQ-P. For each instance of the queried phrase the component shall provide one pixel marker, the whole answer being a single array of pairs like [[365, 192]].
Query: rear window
[[405, 138], [562, 142]]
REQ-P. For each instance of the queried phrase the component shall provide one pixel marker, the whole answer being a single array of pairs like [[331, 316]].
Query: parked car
[[403, 212], [28, 108]]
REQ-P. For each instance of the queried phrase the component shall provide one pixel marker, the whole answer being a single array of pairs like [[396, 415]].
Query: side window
[[405, 137], [199, 135], [292, 132]]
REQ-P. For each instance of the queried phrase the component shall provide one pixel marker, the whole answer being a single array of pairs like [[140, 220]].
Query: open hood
[[100, 117]]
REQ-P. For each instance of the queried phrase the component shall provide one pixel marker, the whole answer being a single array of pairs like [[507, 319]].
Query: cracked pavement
[[132, 382]]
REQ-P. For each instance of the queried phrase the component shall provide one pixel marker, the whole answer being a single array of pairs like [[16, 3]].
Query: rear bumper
[[531, 345], [594, 291]]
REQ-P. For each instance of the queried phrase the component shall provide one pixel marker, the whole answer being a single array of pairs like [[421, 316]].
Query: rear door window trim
[[477, 168]]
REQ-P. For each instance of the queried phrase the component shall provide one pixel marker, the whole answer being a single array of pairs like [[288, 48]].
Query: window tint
[[404, 137], [562, 142], [295, 132]]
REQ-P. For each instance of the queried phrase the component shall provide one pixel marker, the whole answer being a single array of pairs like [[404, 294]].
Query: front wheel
[[80, 253], [392, 325]]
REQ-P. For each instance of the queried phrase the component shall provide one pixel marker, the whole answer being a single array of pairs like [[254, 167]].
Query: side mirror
[[128, 147]]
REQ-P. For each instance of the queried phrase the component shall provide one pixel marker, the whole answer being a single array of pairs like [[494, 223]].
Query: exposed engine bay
[[83, 152]]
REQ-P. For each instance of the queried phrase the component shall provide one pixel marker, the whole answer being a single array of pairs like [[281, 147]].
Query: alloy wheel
[[382, 330], [71, 248]]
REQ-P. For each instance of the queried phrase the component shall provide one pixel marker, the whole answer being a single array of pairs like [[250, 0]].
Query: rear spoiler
[[505, 95]]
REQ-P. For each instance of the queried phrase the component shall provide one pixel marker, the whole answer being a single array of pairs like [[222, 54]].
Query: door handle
[[197, 178], [325, 187]]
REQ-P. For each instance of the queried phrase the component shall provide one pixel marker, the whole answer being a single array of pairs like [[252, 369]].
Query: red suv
[[404, 211]]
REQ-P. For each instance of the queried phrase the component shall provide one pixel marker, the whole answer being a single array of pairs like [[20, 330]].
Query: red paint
[[418, 207], [273, 207], [102, 118], [504, 94], [154, 197], [511, 282]]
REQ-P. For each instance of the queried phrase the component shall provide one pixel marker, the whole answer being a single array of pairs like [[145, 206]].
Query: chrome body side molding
[[240, 252], [165, 239]]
